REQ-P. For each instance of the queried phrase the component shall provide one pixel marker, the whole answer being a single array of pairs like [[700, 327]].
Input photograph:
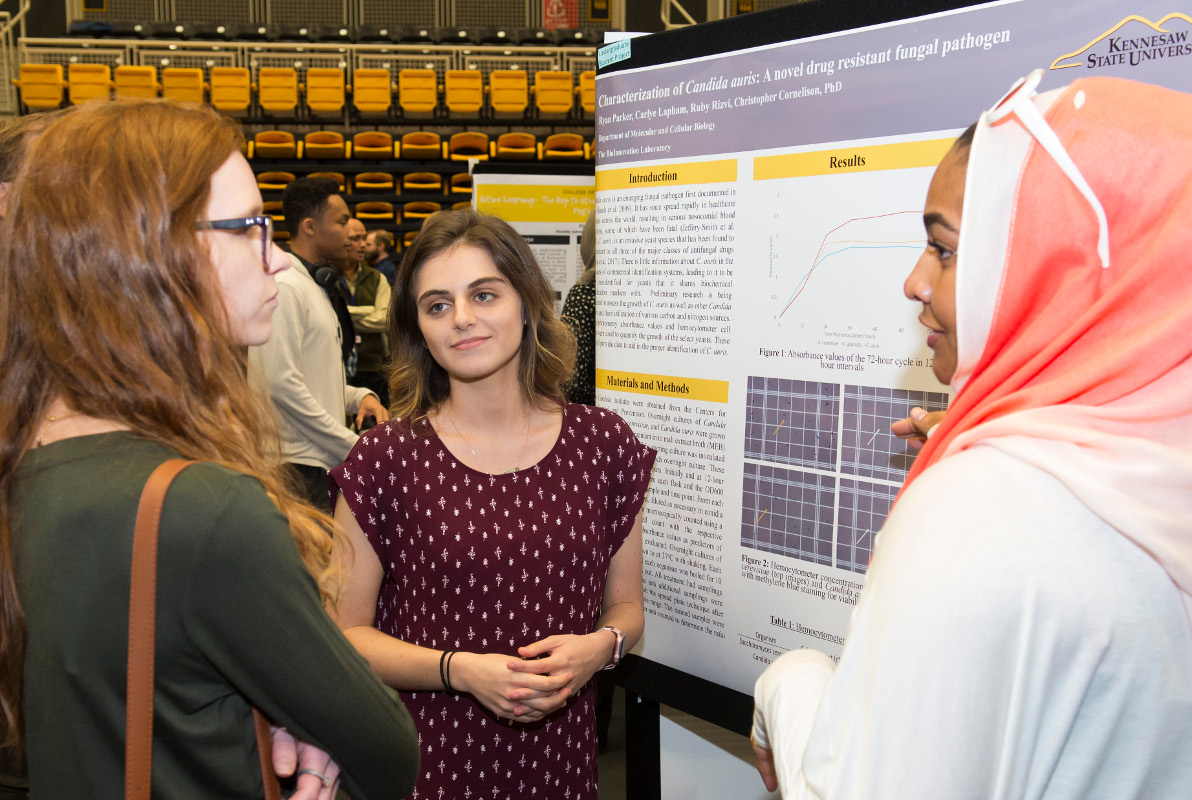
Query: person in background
[[579, 311], [301, 363], [366, 293], [124, 346], [495, 529], [1024, 630], [379, 253]]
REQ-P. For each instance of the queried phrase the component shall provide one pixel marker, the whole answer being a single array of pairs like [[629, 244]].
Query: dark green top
[[239, 621]]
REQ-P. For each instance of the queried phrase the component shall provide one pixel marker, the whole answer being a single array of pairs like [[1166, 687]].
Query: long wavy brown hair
[[109, 300], [417, 384]]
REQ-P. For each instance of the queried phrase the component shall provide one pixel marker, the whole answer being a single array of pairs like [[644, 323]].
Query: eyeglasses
[[264, 222], [1017, 101]]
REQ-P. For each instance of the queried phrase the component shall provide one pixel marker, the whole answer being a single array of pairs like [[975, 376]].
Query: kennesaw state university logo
[[1133, 41]]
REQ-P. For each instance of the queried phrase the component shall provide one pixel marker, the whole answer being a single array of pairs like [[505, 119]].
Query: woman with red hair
[[1024, 631]]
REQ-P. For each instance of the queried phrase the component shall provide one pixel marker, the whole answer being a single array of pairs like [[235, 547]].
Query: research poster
[[758, 212], [549, 211]]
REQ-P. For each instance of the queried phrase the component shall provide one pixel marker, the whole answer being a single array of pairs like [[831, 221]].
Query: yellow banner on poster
[[610, 180], [902, 155], [663, 385], [537, 202]]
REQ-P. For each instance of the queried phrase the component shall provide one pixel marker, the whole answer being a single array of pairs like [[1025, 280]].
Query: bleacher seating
[[468, 144], [516, 146], [553, 93], [374, 182], [508, 93], [42, 86], [463, 92], [375, 210], [325, 91], [88, 82], [185, 84], [461, 183], [324, 144], [586, 91], [231, 90], [422, 182], [420, 145], [563, 147], [277, 91], [372, 92], [372, 144], [417, 93], [274, 181], [419, 209], [274, 144], [136, 81]]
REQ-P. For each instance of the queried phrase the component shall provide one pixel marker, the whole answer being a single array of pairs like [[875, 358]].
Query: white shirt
[[1008, 644], [302, 366]]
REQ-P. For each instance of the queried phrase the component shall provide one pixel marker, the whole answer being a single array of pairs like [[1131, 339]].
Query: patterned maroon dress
[[489, 563]]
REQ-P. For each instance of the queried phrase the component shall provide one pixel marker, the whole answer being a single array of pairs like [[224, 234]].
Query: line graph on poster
[[840, 248]]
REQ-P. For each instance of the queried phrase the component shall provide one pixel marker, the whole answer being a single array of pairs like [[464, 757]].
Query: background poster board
[[759, 209], [549, 210]]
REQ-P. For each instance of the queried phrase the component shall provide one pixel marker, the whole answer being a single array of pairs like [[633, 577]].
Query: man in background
[[302, 363], [366, 292], [379, 251]]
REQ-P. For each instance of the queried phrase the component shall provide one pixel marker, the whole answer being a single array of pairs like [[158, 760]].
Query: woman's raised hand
[[522, 696]]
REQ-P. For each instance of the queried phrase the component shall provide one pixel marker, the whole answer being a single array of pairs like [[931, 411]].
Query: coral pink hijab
[[1080, 369]]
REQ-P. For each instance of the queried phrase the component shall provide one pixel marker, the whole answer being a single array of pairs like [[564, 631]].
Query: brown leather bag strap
[[142, 626]]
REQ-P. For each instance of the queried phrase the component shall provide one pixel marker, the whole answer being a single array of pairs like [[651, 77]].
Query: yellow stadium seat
[[280, 236], [374, 182], [89, 82], [42, 86], [273, 208], [469, 144], [372, 144], [553, 93], [464, 204], [323, 144], [374, 209], [182, 83], [463, 92], [516, 145], [421, 145], [338, 177], [136, 81], [274, 181], [274, 144], [563, 147], [422, 182], [409, 238], [461, 183], [587, 92], [508, 92], [417, 92], [277, 90], [419, 209], [325, 91], [231, 90], [372, 91]]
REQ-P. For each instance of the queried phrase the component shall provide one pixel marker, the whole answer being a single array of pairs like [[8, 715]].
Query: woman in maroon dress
[[495, 529]]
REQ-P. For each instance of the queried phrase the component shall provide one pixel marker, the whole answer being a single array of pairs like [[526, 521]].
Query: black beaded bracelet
[[442, 674]]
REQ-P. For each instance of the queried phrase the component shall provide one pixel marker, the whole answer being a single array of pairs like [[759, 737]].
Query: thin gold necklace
[[525, 444], [50, 418]]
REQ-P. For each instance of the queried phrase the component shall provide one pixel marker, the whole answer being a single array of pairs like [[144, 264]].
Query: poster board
[[548, 206], [759, 204]]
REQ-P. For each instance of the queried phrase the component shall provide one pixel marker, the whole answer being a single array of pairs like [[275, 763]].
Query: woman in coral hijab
[[1024, 631]]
